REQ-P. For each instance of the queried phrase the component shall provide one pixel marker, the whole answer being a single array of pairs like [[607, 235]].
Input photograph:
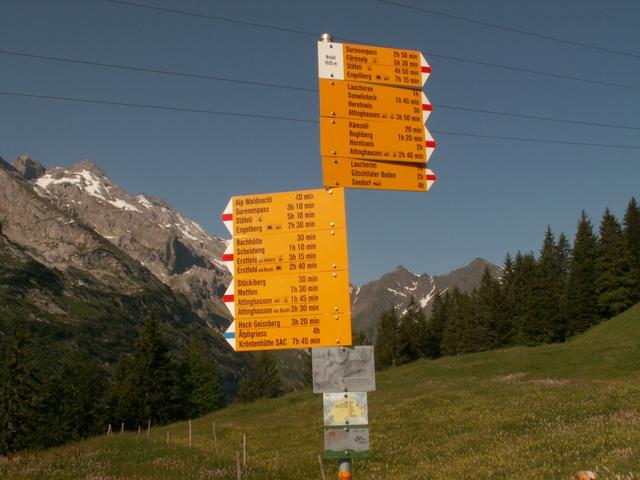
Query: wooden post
[[109, 430], [277, 461], [168, 436], [321, 467], [148, 428], [190, 437], [244, 451], [138, 430], [215, 438], [238, 468], [122, 428]]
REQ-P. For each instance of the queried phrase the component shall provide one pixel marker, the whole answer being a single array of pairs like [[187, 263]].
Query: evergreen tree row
[[43, 405], [561, 292]]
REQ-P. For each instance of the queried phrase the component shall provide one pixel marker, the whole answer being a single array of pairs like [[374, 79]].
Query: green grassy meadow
[[530, 413]]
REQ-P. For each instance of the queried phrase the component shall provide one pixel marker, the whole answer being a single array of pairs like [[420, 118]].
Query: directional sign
[[374, 140], [345, 408], [371, 64], [291, 281], [355, 173], [346, 442], [288, 252], [272, 213], [367, 101]]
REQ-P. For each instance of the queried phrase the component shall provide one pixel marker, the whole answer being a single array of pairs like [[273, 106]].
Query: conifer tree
[[435, 325], [613, 282], [509, 312], [521, 296], [455, 337], [204, 389], [74, 400], [386, 346], [410, 331], [263, 381], [582, 303], [495, 328], [144, 385], [631, 240], [19, 397]]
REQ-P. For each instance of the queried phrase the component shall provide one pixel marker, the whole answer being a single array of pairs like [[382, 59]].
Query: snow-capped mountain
[[174, 248], [395, 289]]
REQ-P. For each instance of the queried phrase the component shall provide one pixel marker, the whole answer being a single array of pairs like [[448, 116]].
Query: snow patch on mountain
[[396, 292], [124, 205], [425, 301]]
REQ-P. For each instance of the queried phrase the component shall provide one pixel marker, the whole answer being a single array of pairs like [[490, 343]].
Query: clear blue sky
[[492, 196]]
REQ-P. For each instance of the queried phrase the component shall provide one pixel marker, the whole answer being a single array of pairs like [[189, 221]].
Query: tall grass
[[531, 413]]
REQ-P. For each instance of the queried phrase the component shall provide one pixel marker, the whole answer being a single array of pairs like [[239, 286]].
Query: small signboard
[[368, 101], [404, 142], [372, 64], [356, 173], [346, 442], [343, 369], [342, 409]]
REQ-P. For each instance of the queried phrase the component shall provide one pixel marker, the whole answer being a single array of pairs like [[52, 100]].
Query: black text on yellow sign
[[291, 280], [358, 173], [373, 140]]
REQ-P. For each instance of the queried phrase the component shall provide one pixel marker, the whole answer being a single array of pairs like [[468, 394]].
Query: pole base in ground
[[344, 469]]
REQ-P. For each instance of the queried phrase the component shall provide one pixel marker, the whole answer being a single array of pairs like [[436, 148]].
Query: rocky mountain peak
[[28, 168], [87, 165]]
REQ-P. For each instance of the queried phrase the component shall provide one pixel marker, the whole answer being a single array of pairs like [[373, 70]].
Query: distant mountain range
[[395, 289], [85, 234]]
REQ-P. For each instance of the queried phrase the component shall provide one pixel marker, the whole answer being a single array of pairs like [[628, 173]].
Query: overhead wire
[[507, 28], [294, 119], [298, 88], [316, 35]]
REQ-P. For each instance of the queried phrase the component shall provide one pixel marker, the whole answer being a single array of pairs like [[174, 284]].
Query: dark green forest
[[52, 392], [543, 298]]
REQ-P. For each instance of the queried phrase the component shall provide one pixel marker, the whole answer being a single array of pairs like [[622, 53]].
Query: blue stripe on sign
[[229, 335]]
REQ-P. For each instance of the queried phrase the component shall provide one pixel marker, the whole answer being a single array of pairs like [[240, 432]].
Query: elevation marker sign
[[288, 256]]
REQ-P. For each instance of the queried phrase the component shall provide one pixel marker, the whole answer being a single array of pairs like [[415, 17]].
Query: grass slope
[[540, 413]]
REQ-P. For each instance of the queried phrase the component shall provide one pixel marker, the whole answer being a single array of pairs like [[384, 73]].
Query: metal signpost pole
[[344, 464]]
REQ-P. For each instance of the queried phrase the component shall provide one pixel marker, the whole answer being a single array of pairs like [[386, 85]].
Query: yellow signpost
[[372, 116], [373, 64], [373, 140], [291, 279], [356, 173], [367, 101]]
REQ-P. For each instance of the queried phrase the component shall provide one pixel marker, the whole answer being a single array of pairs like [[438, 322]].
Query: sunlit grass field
[[521, 413]]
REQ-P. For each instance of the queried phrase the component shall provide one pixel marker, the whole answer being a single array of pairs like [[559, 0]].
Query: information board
[[346, 442], [357, 173], [345, 408], [343, 369], [289, 259]]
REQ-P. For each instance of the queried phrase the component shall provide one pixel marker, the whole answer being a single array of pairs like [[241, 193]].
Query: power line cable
[[430, 54], [536, 117], [292, 119], [155, 107], [292, 87], [509, 29], [303, 89], [155, 70], [212, 17]]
